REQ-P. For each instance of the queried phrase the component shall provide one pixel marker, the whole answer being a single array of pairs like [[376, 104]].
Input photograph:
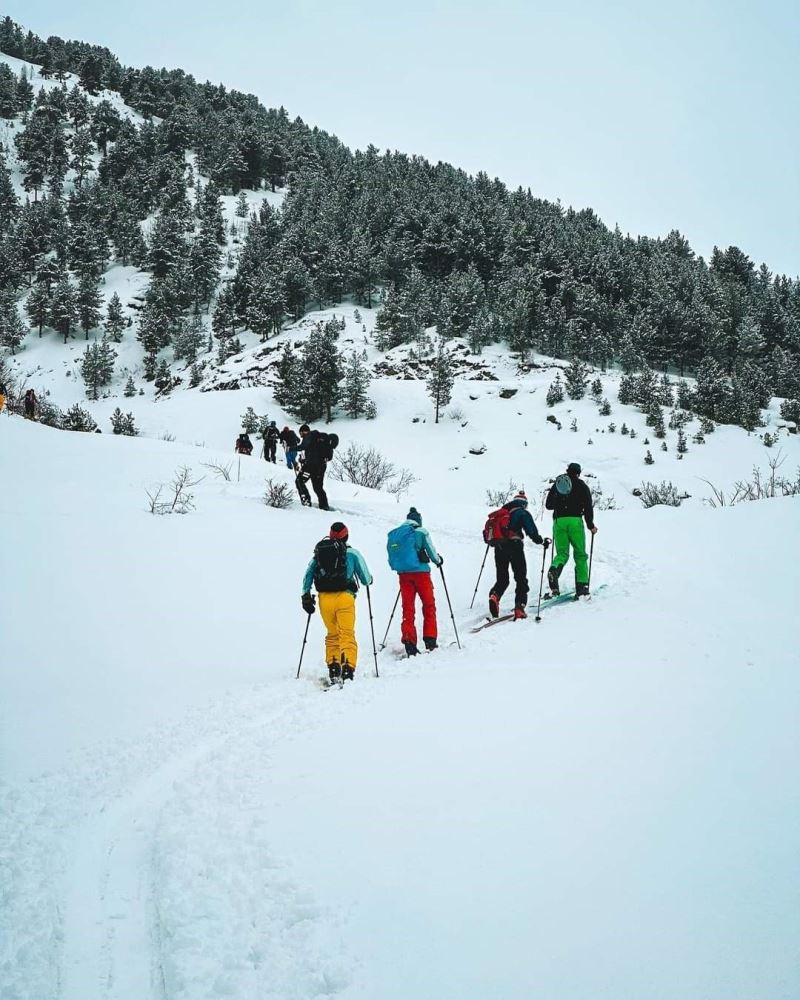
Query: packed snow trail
[[182, 819]]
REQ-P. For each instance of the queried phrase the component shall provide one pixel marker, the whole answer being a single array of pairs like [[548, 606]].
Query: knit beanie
[[414, 515], [522, 496], [573, 469], [339, 531]]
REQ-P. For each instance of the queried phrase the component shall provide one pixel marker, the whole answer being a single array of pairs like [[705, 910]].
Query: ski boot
[[429, 643], [552, 580], [494, 605], [348, 672], [581, 590], [410, 648], [334, 671], [520, 613]]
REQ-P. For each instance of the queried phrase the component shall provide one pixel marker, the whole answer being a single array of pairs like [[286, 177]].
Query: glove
[[538, 540], [593, 530], [309, 604], [441, 561]]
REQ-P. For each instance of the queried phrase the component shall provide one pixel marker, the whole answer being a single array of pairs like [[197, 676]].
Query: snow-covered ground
[[601, 804]]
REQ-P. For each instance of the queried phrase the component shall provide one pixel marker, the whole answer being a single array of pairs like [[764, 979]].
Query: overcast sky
[[658, 116]]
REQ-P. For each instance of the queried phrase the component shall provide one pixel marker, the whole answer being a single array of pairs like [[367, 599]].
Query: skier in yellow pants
[[336, 570]]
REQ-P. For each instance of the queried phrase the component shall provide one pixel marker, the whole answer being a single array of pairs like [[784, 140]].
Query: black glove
[[538, 540], [309, 604], [441, 561]]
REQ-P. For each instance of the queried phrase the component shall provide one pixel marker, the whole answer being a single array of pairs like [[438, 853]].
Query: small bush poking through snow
[[653, 494], [278, 495]]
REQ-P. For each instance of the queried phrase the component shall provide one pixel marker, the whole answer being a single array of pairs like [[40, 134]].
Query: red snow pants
[[412, 584]]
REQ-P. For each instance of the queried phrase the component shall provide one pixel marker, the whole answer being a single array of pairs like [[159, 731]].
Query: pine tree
[[597, 389], [12, 329], [250, 421], [195, 375], [189, 339], [575, 379], [115, 321], [648, 458], [681, 447], [624, 429], [78, 419], [97, 366], [64, 308], [24, 93], [605, 408], [130, 388], [356, 385], [82, 149], [440, 381], [37, 306], [242, 206], [664, 446], [88, 302], [286, 389], [555, 394], [122, 423], [370, 410], [163, 379]]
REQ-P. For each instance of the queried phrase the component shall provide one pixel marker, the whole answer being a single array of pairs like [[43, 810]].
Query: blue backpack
[[402, 550]]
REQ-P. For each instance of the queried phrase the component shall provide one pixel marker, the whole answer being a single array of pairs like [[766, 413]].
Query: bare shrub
[[455, 413], [174, 497], [401, 484], [166, 436], [368, 467], [600, 500], [496, 498], [762, 486], [664, 493], [278, 495], [223, 471]]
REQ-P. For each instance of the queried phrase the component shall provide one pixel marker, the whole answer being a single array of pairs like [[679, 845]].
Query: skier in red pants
[[411, 553]]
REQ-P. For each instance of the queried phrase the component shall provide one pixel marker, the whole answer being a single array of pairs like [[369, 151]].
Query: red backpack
[[496, 527]]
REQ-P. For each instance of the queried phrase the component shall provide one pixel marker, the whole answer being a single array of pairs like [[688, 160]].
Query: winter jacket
[[244, 446], [356, 570], [290, 440], [271, 434], [577, 503], [422, 553], [521, 523], [316, 450]]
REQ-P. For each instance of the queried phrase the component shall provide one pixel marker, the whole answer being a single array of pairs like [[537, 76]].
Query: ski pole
[[391, 619], [591, 553], [303, 649], [452, 616], [546, 546], [485, 554], [372, 630]]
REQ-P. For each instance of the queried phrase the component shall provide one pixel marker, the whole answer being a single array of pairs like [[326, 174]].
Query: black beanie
[[414, 515], [573, 469]]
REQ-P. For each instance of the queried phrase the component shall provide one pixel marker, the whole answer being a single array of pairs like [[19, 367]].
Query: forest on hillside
[[429, 243]]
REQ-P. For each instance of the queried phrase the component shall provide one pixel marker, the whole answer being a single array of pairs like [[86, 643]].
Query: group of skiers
[[337, 569], [307, 455]]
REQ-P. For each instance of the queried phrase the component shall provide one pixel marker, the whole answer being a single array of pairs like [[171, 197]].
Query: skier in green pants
[[570, 500]]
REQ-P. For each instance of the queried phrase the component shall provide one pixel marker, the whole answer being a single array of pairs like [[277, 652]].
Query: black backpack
[[324, 445], [330, 555]]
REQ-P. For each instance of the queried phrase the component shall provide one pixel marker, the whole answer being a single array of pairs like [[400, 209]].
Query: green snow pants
[[570, 531]]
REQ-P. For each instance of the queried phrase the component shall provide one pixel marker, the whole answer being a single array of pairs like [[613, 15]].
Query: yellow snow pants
[[338, 611]]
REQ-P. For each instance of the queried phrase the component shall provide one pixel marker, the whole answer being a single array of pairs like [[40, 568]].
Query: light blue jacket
[[422, 544], [356, 570]]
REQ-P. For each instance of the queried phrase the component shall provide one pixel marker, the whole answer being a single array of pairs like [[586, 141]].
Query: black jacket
[[290, 439], [316, 450], [578, 503]]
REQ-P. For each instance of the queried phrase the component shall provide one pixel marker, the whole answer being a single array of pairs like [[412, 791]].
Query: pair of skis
[[548, 600]]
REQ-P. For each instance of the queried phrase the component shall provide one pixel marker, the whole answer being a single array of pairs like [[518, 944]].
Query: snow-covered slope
[[603, 804]]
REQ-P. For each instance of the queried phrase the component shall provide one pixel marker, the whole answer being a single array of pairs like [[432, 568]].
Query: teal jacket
[[424, 551], [356, 570]]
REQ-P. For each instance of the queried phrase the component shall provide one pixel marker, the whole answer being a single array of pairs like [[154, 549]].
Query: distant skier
[[570, 500], [336, 570], [290, 442], [270, 442], [317, 448], [505, 530], [29, 405], [411, 552], [2, 396], [243, 446]]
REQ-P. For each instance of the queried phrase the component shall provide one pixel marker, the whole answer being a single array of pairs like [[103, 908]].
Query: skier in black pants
[[317, 450], [510, 551], [271, 443]]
